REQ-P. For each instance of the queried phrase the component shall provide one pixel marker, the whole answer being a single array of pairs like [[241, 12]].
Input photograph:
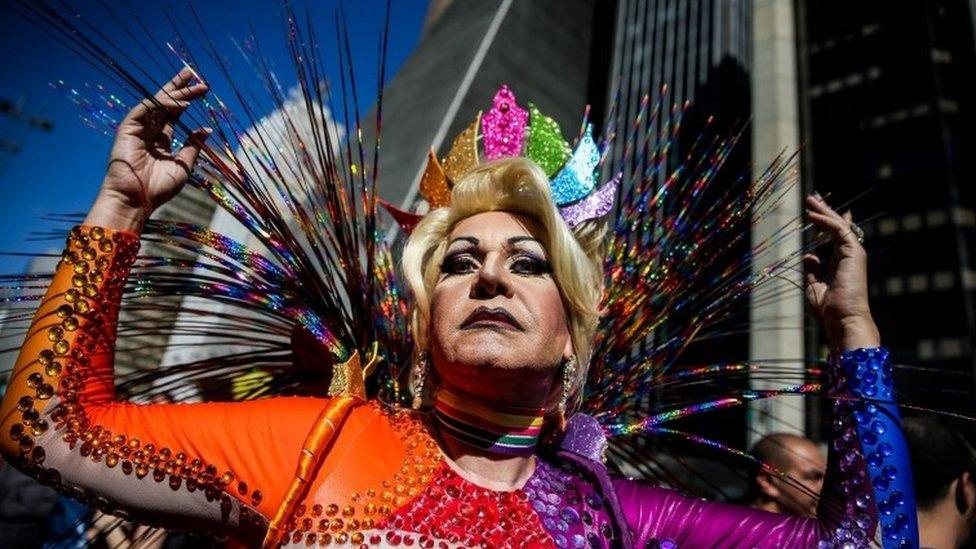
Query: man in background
[[803, 464], [944, 470]]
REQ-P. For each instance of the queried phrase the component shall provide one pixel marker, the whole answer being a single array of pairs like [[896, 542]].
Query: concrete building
[[734, 60]]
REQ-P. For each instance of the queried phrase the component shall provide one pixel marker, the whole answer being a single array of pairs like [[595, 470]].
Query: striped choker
[[499, 429]]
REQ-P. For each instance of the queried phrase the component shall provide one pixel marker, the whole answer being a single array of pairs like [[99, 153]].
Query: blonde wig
[[519, 186]]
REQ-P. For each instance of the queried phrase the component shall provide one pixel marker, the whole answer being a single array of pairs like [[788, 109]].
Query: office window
[[895, 285], [918, 283], [936, 218], [941, 56], [926, 349], [943, 280], [885, 171], [887, 226], [911, 222], [950, 347]]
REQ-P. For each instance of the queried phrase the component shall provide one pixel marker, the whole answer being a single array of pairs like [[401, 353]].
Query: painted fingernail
[[817, 196]]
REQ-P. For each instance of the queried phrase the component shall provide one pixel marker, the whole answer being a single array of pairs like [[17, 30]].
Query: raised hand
[[143, 171], [838, 291]]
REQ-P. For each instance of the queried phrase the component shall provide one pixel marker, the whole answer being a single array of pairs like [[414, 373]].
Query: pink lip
[[485, 317]]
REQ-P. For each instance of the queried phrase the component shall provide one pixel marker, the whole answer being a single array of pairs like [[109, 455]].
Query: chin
[[492, 349], [494, 357]]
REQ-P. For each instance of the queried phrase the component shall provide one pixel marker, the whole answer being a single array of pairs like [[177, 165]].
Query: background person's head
[[801, 461], [943, 470], [504, 291]]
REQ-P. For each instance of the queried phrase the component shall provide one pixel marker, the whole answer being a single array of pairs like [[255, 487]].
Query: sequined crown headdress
[[508, 130]]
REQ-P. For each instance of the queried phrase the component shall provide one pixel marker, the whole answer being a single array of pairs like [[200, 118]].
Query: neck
[[494, 429], [766, 505], [489, 445], [937, 528]]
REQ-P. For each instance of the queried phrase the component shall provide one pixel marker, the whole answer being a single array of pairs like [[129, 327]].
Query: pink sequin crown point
[[508, 130], [503, 127]]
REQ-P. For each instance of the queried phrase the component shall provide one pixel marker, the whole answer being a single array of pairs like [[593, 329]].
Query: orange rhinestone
[[39, 427], [34, 380], [62, 347], [26, 443], [45, 357], [70, 324]]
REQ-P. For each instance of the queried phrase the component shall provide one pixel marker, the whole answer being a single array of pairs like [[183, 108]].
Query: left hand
[[838, 291]]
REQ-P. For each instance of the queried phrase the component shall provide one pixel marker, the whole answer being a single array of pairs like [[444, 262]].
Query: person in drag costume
[[506, 273]]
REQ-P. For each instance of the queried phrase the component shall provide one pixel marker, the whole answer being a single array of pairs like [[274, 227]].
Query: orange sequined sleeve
[[218, 467]]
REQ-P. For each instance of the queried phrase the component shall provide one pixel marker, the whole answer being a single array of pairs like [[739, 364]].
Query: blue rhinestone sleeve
[[862, 385]]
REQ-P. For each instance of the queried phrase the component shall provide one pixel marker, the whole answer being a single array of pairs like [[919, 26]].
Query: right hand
[[143, 171]]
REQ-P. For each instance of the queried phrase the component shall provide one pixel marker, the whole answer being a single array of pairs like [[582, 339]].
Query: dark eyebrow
[[517, 239], [469, 239], [510, 241]]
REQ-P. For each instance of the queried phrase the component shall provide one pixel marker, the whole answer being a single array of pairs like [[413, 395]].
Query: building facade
[[888, 101]]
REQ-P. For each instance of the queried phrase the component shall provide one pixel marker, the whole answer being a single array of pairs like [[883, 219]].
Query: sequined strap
[[877, 481]]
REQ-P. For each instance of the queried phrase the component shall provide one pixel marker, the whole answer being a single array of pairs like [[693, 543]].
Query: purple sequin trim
[[584, 437], [570, 508]]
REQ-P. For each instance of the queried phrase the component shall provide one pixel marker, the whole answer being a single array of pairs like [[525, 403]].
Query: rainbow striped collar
[[498, 429]]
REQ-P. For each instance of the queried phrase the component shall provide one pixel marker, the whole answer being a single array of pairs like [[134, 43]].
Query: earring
[[569, 372], [418, 381]]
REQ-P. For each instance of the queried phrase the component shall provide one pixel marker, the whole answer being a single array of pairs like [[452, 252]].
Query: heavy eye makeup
[[467, 259]]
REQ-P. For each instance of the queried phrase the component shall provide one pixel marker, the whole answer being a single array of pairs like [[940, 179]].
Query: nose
[[493, 279]]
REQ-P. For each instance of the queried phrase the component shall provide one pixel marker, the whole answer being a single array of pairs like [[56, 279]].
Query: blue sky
[[59, 172]]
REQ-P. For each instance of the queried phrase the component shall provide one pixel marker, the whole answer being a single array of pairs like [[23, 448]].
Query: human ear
[[767, 485], [568, 350], [965, 495]]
